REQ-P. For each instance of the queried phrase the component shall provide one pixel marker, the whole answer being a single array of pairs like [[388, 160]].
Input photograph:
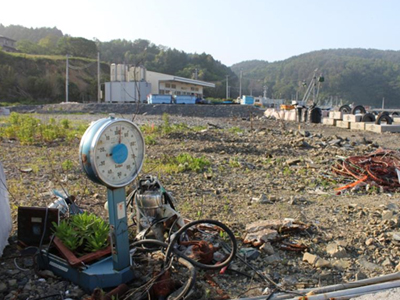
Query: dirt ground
[[261, 170]]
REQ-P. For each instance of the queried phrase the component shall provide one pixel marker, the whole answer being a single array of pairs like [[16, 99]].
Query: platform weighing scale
[[111, 153]]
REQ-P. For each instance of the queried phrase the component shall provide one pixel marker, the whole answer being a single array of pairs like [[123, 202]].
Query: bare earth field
[[261, 170]]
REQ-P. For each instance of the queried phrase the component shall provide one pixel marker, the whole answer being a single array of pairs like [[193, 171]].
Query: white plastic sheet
[[5, 212]]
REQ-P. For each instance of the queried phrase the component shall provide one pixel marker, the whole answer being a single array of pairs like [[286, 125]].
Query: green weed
[[236, 130], [177, 164], [150, 139], [29, 130], [67, 165], [234, 162]]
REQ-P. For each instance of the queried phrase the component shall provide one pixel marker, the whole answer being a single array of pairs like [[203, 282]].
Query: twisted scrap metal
[[378, 168]]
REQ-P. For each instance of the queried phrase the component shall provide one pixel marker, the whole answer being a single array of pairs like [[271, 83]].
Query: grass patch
[[29, 130], [178, 164]]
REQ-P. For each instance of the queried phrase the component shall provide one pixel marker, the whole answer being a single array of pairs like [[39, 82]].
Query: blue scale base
[[100, 274]]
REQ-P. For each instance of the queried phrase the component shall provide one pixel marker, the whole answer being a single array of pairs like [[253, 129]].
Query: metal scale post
[[111, 153]]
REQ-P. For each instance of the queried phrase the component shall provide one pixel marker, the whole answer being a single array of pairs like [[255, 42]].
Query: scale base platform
[[100, 274]]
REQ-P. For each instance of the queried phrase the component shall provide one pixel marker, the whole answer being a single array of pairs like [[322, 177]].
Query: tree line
[[362, 76]]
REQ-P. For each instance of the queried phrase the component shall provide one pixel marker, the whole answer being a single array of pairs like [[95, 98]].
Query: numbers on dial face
[[117, 152]]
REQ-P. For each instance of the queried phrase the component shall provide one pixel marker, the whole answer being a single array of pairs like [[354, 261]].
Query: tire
[[359, 108], [395, 114], [384, 116], [345, 109], [315, 115], [368, 117]]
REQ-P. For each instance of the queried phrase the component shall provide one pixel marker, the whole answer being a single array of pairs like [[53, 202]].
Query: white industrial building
[[132, 84]]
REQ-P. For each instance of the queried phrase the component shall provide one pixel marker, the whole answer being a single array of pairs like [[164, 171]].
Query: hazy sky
[[230, 30]]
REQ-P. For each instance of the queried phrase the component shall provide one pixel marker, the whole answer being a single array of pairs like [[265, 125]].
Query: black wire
[[233, 251], [192, 279]]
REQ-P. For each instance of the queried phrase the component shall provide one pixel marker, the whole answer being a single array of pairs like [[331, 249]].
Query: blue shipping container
[[247, 100], [182, 99], [159, 99]]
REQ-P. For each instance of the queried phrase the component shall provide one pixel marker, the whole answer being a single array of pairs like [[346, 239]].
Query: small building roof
[[7, 38], [167, 77]]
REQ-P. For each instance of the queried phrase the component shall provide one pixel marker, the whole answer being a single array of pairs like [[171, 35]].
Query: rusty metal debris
[[380, 168], [260, 232], [290, 246]]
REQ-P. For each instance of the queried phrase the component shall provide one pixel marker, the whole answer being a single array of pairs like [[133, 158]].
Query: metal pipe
[[337, 287]]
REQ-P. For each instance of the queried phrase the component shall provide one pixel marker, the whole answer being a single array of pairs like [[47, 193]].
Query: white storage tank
[[113, 72], [121, 70]]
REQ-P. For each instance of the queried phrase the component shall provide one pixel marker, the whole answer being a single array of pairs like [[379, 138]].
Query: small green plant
[[150, 139], [67, 235], [166, 127], [234, 162], [287, 171], [67, 165], [83, 232], [236, 130], [65, 123]]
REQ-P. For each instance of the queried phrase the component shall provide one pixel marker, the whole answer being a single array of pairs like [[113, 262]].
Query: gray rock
[[267, 248], [393, 207], [322, 263], [273, 258], [336, 251], [12, 282], [3, 287], [360, 275], [342, 264], [387, 215], [368, 265], [310, 258]]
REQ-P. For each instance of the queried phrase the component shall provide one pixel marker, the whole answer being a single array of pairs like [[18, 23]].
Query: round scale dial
[[112, 152]]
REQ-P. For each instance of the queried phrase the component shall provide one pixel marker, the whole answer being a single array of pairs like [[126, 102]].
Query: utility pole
[[98, 78], [227, 88], [383, 103], [265, 91], [196, 74], [66, 80], [240, 84]]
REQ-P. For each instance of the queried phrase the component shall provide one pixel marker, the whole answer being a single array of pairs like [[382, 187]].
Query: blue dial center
[[119, 153]]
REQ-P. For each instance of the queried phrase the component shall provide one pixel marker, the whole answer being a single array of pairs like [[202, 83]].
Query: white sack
[[5, 212]]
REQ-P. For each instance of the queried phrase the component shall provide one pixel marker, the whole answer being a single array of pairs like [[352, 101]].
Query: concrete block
[[396, 119], [352, 118], [357, 125], [329, 121], [337, 115], [382, 128], [343, 124]]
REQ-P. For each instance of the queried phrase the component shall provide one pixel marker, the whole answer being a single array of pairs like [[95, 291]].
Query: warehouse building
[[136, 83]]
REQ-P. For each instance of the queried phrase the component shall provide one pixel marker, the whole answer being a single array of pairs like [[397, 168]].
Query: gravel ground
[[268, 170]]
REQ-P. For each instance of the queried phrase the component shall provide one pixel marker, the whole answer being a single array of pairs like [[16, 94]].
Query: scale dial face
[[116, 153]]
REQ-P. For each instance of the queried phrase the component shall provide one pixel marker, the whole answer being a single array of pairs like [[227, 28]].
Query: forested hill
[[362, 76], [17, 32], [52, 42]]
